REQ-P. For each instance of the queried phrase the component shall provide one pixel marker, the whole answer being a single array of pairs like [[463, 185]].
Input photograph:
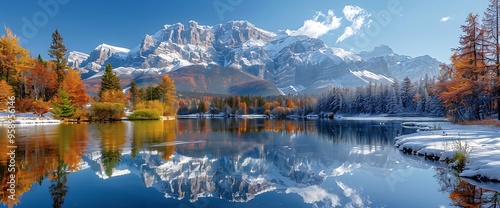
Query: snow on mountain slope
[[104, 54], [415, 68], [286, 61], [368, 76], [75, 58], [401, 66], [111, 48]]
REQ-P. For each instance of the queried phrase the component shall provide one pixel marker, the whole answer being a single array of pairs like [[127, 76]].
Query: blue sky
[[410, 27]]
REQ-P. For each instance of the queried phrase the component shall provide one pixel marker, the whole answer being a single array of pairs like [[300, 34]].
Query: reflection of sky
[[357, 175], [315, 194], [329, 169]]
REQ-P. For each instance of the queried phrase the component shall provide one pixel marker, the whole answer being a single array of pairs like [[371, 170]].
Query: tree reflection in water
[[217, 153], [463, 193], [58, 188], [112, 143]]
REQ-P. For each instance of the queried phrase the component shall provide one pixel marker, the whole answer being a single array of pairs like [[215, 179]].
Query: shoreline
[[483, 159]]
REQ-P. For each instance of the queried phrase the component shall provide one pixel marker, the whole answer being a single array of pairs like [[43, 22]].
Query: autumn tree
[[104, 111], [267, 105], [183, 107], [57, 51], [202, 107], [40, 107], [243, 108], [167, 95], [463, 84], [289, 103], [40, 81], [113, 96], [5, 93], [13, 57], [73, 85], [470, 65]]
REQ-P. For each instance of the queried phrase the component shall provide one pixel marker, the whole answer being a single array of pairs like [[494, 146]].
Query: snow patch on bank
[[484, 159]]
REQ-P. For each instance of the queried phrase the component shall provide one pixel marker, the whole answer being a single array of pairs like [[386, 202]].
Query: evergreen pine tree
[[406, 93], [109, 81], [64, 108], [57, 51], [134, 94]]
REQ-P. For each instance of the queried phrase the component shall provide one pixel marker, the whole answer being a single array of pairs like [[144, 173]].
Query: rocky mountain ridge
[[292, 64]]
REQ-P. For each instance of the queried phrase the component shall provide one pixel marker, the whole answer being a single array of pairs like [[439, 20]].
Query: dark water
[[227, 163]]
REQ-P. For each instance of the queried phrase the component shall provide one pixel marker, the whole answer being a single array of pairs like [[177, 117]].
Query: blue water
[[225, 163]]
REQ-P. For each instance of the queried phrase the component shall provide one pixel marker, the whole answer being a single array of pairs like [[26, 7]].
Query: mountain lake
[[228, 163]]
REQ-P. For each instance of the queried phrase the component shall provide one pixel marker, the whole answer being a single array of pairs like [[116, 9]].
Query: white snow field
[[483, 161]]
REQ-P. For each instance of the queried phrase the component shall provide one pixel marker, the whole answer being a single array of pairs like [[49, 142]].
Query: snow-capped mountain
[[401, 66], [104, 54], [75, 58], [290, 63]]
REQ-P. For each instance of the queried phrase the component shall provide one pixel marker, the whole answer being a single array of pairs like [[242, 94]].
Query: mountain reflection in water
[[229, 159]]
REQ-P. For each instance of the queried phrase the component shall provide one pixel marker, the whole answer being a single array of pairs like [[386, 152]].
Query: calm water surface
[[228, 163]]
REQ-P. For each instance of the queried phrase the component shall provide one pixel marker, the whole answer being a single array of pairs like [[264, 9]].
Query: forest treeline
[[400, 98]]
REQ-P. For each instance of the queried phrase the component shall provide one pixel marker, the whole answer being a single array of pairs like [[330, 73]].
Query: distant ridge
[[290, 64]]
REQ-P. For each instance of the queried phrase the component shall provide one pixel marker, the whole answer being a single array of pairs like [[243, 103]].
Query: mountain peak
[[78, 53], [110, 47], [75, 58], [241, 22], [379, 51], [221, 52], [193, 23], [383, 49]]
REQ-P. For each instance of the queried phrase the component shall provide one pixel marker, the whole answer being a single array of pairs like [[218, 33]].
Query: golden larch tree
[[74, 87], [13, 57], [168, 95], [6, 92]]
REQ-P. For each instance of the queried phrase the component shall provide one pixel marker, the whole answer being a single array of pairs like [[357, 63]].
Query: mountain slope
[[291, 63], [76, 58]]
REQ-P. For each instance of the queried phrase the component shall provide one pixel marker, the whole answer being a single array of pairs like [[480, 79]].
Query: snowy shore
[[483, 161]]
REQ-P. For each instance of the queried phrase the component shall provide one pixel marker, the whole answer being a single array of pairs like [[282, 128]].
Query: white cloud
[[445, 19], [313, 194], [319, 25], [358, 17], [351, 193], [350, 12]]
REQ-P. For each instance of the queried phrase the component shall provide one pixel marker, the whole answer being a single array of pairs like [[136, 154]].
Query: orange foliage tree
[[167, 95], [13, 57], [40, 107], [5, 93], [463, 83], [74, 87], [41, 81], [113, 96]]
